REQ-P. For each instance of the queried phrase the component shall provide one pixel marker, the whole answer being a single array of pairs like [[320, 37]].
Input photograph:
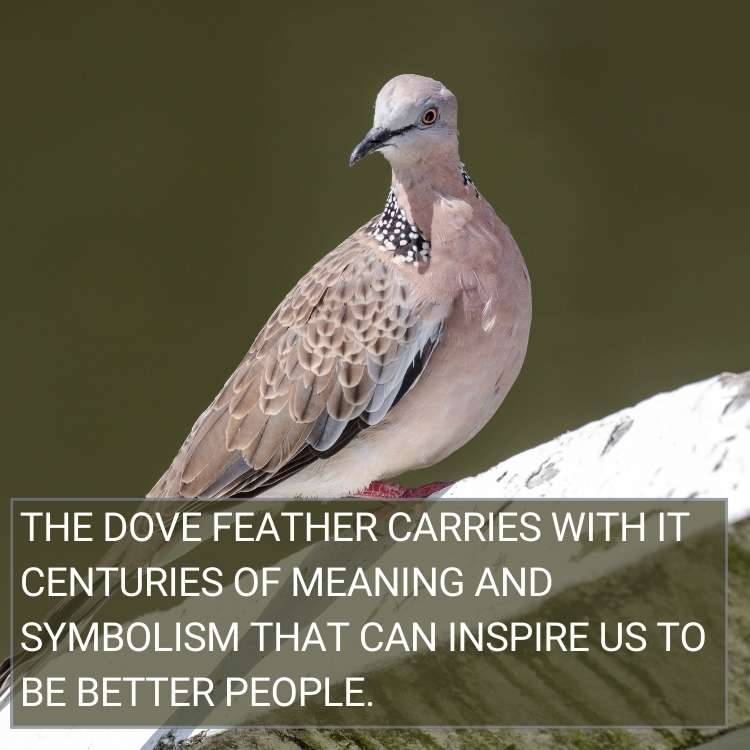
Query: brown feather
[[336, 349]]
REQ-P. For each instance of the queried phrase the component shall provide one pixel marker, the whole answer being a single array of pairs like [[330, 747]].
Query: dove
[[392, 352]]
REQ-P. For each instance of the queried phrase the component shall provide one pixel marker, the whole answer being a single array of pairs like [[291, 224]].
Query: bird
[[392, 352]]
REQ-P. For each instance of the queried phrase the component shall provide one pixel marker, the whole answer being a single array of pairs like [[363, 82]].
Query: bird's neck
[[417, 187], [405, 226]]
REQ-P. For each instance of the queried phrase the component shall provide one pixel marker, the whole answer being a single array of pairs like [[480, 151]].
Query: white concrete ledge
[[692, 442]]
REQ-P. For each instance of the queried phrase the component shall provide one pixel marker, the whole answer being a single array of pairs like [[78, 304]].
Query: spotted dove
[[393, 351]]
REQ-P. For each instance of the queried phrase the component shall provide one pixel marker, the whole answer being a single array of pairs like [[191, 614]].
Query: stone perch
[[692, 442]]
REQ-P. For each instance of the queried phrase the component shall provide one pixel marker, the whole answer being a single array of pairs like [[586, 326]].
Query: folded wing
[[336, 355]]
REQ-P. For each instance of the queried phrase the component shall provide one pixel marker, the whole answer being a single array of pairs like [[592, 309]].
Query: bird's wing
[[345, 344]]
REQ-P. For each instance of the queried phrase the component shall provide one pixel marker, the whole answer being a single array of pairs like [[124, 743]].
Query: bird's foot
[[384, 491]]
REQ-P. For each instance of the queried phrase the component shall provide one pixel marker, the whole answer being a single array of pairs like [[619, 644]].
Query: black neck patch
[[467, 179], [394, 232]]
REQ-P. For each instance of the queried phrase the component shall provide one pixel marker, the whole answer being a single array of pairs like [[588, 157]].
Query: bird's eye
[[429, 116]]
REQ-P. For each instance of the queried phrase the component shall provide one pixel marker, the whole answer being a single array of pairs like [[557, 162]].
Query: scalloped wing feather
[[331, 360]]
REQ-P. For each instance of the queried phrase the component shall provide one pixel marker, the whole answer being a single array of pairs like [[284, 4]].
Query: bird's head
[[415, 121]]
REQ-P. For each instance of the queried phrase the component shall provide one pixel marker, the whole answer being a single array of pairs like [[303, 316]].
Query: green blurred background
[[169, 170]]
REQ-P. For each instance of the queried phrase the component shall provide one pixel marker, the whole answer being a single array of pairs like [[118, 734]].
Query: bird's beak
[[375, 139]]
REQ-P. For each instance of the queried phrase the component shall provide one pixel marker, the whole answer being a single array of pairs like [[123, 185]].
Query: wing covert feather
[[331, 360]]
